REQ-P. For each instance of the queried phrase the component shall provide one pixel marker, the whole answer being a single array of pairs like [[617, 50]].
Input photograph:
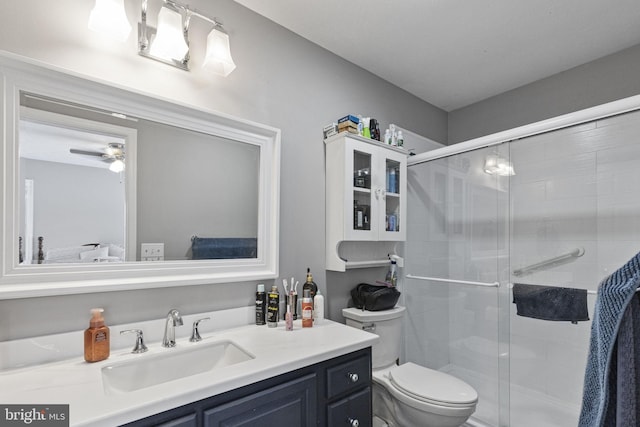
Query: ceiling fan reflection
[[114, 154]]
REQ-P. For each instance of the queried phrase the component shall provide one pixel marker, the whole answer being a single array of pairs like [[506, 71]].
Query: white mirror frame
[[18, 75]]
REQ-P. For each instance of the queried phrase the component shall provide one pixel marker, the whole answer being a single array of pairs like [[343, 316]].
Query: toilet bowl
[[409, 394]]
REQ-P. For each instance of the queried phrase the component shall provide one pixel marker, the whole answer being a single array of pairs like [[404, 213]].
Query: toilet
[[409, 394]]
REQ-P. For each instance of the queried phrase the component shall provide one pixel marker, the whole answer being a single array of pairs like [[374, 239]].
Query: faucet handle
[[139, 347], [195, 335]]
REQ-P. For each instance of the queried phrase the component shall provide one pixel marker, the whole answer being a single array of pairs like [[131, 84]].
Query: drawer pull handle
[[353, 422], [354, 378]]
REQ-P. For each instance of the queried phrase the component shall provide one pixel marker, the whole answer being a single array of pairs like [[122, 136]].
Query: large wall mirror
[[106, 189]]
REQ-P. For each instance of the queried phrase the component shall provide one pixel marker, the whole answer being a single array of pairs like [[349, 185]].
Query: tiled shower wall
[[573, 188]]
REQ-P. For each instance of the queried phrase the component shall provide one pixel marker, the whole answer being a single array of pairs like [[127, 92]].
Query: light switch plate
[[152, 252]]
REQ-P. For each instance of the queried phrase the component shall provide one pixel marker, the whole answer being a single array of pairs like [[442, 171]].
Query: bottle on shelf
[[392, 182], [394, 135], [387, 137], [391, 223]]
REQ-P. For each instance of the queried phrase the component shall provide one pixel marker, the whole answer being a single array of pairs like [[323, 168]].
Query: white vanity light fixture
[[498, 165], [109, 18], [170, 42]]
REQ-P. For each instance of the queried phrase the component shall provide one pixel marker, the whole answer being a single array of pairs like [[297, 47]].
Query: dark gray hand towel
[[550, 302]]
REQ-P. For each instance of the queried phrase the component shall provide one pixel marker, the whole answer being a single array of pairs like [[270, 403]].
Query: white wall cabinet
[[366, 184]]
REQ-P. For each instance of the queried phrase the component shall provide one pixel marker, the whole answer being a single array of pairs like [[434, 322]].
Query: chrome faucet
[[173, 319]]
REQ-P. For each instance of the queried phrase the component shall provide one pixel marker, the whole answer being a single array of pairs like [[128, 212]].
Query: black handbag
[[374, 297]]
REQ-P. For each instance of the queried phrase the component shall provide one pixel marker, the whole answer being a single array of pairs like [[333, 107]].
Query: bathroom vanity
[[336, 392], [266, 376]]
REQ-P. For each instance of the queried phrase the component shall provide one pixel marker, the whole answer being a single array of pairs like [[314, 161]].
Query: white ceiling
[[453, 53], [41, 141]]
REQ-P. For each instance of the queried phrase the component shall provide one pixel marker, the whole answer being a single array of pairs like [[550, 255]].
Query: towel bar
[[461, 282], [576, 253]]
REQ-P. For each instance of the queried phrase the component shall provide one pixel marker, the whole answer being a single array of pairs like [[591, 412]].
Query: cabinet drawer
[[348, 376], [354, 410]]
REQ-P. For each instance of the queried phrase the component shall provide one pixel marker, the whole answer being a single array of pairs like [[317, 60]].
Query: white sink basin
[[172, 364]]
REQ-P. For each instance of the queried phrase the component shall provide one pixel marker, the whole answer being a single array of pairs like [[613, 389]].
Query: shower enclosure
[[554, 207]]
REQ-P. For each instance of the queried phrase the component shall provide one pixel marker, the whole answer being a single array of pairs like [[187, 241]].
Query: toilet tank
[[387, 324]]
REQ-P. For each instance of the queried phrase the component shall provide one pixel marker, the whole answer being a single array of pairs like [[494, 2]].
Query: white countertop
[[79, 384]]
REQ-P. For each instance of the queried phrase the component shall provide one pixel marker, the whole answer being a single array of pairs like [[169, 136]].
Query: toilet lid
[[431, 386]]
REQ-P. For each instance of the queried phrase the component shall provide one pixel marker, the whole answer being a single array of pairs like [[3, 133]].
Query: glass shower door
[[457, 255]]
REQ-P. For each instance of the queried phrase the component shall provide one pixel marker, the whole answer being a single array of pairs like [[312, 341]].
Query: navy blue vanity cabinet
[[332, 393]]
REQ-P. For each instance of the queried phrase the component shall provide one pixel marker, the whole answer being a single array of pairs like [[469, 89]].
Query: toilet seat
[[427, 386]]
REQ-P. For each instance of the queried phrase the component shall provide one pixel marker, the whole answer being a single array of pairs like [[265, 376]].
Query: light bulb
[[169, 43], [109, 18], [116, 166], [218, 56]]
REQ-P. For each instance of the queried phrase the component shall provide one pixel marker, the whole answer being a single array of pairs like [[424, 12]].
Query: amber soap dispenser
[[96, 338]]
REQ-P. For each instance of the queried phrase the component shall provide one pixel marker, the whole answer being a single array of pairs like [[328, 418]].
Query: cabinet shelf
[[348, 255], [361, 190], [366, 264]]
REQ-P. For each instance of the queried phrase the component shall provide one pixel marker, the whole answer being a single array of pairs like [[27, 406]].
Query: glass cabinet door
[[393, 198], [361, 191]]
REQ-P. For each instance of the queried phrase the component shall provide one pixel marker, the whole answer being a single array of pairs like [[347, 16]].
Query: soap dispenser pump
[[96, 338]]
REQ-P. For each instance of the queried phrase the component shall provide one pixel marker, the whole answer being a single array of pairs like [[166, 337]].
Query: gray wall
[[93, 197], [281, 80], [606, 79]]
